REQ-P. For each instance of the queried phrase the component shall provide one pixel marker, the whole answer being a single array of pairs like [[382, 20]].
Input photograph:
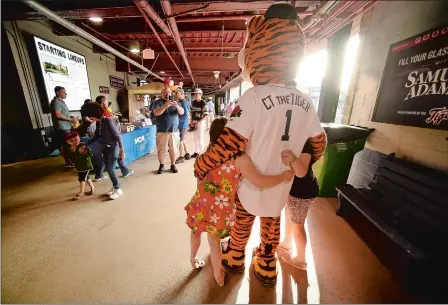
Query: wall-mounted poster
[[414, 87], [116, 82], [62, 67], [104, 90]]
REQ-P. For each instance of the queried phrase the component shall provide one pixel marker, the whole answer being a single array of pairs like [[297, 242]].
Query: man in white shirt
[[210, 111], [270, 117]]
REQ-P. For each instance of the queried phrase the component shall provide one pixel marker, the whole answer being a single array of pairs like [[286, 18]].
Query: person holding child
[[212, 208], [81, 155]]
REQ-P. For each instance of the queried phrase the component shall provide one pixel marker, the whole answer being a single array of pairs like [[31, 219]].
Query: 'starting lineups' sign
[[414, 87], [62, 67]]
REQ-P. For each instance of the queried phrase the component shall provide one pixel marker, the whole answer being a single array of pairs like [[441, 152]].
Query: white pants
[[199, 144], [210, 119]]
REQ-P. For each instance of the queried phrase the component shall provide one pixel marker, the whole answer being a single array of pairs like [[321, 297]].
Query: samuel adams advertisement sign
[[414, 87]]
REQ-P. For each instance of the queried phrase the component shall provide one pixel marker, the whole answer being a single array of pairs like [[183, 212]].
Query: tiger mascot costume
[[269, 118]]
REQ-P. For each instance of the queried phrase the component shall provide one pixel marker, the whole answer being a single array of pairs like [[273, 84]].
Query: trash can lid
[[337, 133]]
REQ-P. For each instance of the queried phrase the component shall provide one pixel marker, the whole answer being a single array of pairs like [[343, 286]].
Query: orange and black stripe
[[229, 145], [319, 143]]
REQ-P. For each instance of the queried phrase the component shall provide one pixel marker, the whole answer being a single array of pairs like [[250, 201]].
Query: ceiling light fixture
[[135, 51], [162, 72], [96, 19]]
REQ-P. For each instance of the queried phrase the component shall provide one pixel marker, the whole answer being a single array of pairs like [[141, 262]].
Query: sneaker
[[161, 169], [70, 165], [174, 169], [180, 160], [116, 194], [187, 156], [105, 177], [112, 190], [194, 155], [129, 173]]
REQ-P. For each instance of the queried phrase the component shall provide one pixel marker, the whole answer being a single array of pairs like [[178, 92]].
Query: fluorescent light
[[162, 72], [135, 51], [96, 19]]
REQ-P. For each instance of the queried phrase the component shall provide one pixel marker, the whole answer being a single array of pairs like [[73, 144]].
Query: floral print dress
[[212, 208]]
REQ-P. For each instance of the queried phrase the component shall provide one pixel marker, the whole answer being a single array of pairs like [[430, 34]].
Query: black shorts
[[182, 132], [83, 176]]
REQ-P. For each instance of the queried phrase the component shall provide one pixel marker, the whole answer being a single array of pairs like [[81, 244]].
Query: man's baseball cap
[[197, 91], [70, 135]]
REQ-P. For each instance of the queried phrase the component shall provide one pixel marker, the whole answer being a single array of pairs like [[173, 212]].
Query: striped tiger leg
[[233, 256], [263, 257]]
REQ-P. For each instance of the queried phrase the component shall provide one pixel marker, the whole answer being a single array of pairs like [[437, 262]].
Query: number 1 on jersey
[[285, 137]]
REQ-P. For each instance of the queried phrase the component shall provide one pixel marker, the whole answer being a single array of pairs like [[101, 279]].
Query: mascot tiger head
[[274, 45]]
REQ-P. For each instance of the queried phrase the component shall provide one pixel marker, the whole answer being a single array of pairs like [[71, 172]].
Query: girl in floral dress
[[212, 208]]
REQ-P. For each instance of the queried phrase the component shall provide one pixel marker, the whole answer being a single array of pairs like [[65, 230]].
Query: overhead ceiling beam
[[231, 6], [245, 17], [147, 8], [42, 9], [149, 23], [168, 10]]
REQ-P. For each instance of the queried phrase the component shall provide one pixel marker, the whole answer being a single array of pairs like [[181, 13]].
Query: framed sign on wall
[[116, 82], [104, 90], [414, 86]]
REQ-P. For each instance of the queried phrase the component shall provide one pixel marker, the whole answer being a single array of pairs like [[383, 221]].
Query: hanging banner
[[414, 87]]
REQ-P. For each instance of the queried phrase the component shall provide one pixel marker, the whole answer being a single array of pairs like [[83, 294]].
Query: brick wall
[[386, 23]]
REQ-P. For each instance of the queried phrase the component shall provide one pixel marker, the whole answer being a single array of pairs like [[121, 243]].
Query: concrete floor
[[136, 249]]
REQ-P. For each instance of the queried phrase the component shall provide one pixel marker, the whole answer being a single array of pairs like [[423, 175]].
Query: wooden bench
[[408, 203]]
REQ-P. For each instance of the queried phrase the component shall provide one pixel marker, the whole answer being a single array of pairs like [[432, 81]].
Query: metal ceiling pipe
[[51, 15], [215, 18], [321, 10], [245, 17], [158, 37], [168, 11], [147, 8]]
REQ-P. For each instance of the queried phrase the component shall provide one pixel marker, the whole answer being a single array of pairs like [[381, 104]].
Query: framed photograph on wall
[[138, 97]]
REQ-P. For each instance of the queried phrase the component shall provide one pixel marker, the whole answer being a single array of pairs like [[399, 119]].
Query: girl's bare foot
[[92, 191], [196, 263], [220, 276]]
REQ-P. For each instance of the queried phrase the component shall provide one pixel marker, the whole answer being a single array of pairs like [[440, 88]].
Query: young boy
[[81, 155]]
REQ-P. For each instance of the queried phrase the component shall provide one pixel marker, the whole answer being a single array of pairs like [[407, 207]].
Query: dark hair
[[86, 101], [110, 104], [57, 89], [216, 128], [99, 99], [93, 110]]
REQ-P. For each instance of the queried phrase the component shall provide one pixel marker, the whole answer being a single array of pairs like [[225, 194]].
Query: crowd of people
[[257, 162]]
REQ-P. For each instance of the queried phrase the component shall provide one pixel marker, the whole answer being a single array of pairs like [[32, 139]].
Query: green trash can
[[332, 169]]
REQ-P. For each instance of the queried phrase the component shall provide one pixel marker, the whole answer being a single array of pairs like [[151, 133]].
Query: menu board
[[414, 87], [61, 67]]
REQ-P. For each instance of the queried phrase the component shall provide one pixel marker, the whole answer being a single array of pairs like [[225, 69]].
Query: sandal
[[197, 263], [92, 191], [301, 266], [78, 196]]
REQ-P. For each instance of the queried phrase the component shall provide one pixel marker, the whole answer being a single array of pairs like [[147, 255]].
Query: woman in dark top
[[303, 192], [109, 135]]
